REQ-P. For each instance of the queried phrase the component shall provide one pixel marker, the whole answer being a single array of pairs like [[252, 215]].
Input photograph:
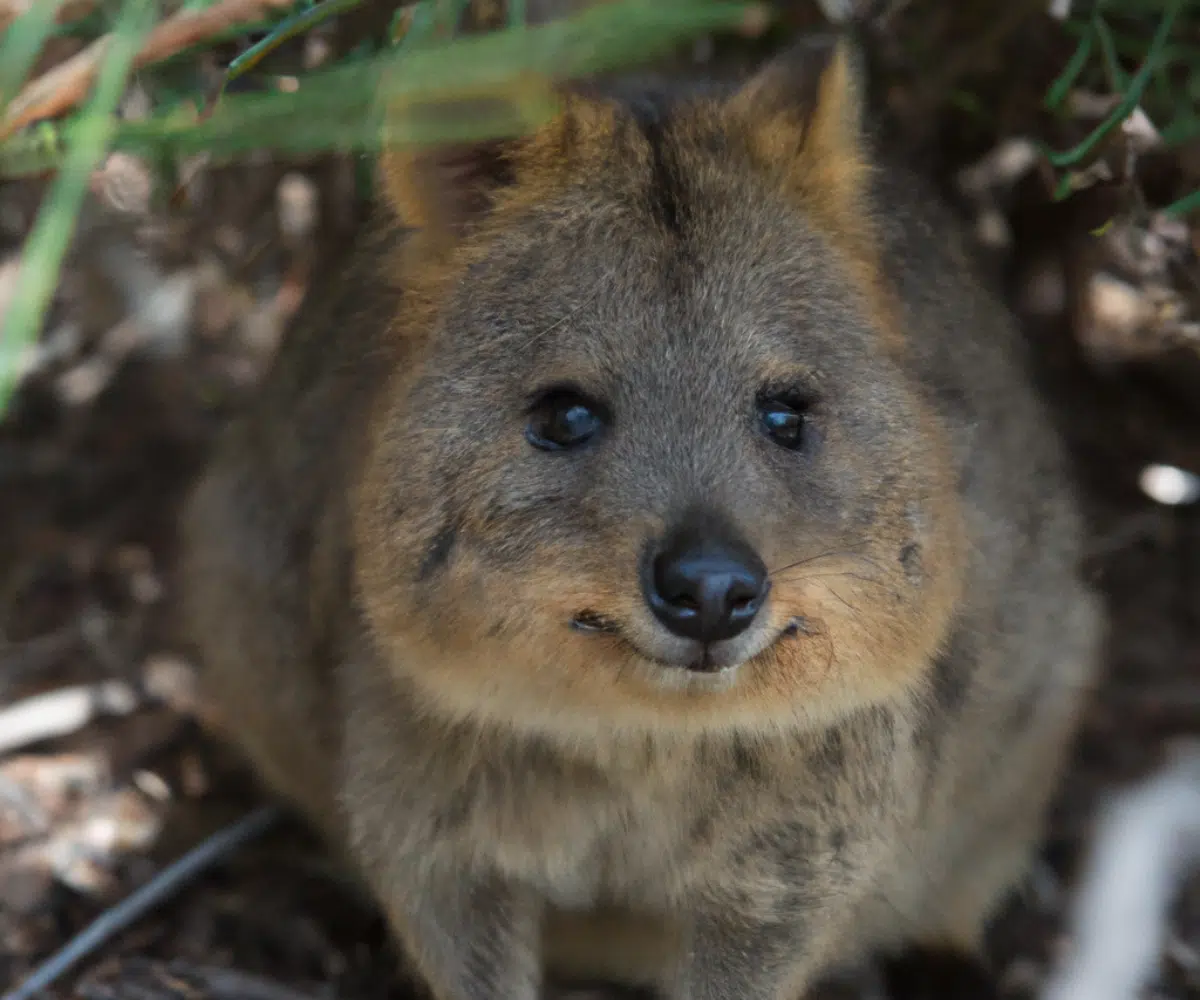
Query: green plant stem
[[23, 43], [47, 243], [291, 26]]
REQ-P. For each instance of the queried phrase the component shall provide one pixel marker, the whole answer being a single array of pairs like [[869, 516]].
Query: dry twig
[[64, 86]]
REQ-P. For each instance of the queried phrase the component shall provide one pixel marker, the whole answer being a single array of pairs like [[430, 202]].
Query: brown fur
[[380, 572]]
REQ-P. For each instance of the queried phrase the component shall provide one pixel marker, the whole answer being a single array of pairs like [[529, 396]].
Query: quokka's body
[[649, 559]]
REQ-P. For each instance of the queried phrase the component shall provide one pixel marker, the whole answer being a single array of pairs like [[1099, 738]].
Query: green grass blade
[[482, 86], [453, 87], [336, 108], [22, 43], [289, 27], [47, 243]]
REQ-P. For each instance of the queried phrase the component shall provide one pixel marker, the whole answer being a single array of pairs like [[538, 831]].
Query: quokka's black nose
[[705, 584]]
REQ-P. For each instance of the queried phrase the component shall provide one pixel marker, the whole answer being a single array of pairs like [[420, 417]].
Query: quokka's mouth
[[593, 621], [705, 662]]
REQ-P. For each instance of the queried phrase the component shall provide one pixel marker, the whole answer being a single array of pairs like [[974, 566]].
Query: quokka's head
[[650, 456]]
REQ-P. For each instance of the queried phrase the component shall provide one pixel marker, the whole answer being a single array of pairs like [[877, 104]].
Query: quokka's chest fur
[[644, 822]]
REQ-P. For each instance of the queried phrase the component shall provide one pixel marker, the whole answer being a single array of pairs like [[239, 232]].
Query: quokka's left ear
[[804, 111]]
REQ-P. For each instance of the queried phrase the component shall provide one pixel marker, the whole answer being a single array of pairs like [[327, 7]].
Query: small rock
[[1002, 167], [125, 184], [172, 681], [992, 230], [1170, 486], [296, 203], [165, 314], [1114, 317], [24, 888]]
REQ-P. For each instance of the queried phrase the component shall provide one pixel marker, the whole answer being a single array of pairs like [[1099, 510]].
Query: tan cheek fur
[[491, 646]]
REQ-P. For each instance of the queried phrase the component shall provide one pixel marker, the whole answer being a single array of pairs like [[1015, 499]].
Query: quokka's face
[[657, 463]]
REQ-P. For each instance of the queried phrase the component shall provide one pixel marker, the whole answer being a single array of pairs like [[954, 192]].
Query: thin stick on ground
[[152, 894], [61, 88]]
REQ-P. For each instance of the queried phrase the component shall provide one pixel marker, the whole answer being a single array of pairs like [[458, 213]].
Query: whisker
[[848, 553], [849, 607], [809, 559], [831, 576]]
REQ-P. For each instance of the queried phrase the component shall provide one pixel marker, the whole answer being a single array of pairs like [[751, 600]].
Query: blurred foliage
[[1147, 54], [449, 86]]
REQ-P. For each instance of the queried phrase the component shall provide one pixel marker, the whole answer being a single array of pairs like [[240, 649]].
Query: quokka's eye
[[785, 421], [562, 419]]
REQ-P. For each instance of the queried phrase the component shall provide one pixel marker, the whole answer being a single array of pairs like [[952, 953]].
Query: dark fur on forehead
[[650, 111], [799, 116]]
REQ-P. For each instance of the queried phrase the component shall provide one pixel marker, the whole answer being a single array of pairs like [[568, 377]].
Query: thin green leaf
[[229, 34], [23, 43], [47, 243], [289, 27]]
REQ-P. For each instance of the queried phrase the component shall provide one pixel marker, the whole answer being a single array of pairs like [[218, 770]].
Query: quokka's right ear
[[444, 190]]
